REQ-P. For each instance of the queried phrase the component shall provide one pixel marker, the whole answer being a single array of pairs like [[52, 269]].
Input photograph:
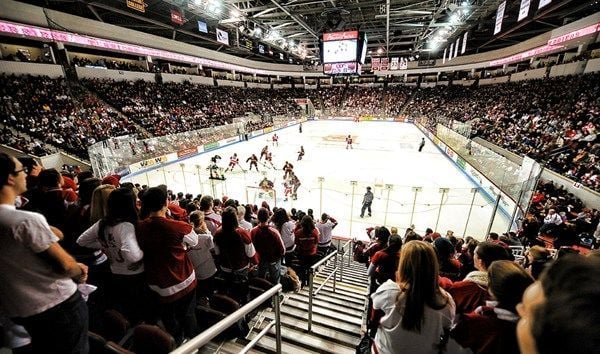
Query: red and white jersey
[[233, 160], [269, 156], [275, 137], [349, 140]]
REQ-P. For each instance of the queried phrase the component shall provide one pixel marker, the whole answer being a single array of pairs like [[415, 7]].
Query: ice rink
[[424, 189]]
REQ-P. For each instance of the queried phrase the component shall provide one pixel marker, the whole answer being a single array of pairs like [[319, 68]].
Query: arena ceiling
[[403, 28]]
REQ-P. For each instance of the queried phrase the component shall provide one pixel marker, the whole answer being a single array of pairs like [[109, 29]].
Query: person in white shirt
[[201, 256], [36, 281], [325, 227], [241, 211], [115, 236], [551, 221]]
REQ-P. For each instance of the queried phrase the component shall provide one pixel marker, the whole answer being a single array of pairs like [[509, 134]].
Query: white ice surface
[[385, 157]]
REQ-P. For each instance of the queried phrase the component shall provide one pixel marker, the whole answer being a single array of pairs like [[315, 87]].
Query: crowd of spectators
[[107, 63], [156, 254], [151, 253], [178, 107], [29, 145], [47, 109], [554, 120], [432, 293]]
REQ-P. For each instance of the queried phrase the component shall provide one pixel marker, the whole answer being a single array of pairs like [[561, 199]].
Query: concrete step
[[324, 301], [342, 291], [329, 332], [306, 340], [321, 320], [332, 314]]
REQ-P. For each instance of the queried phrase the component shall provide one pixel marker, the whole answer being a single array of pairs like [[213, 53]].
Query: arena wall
[[34, 69], [592, 66], [194, 79], [529, 75], [118, 75]]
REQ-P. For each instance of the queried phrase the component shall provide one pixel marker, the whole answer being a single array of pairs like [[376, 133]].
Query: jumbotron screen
[[340, 47]]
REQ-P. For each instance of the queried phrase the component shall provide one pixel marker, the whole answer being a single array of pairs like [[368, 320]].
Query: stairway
[[337, 318]]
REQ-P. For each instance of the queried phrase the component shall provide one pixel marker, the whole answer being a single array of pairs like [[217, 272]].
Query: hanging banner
[[222, 37], [464, 46], [137, 5], [451, 51], [385, 64], [394, 63], [499, 18], [375, 63], [177, 17], [543, 3], [456, 47], [403, 64], [444, 59], [524, 10]]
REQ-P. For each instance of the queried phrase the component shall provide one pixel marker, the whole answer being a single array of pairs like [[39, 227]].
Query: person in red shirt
[[472, 292], [307, 239], [269, 246], [384, 263], [236, 253], [169, 272], [491, 329]]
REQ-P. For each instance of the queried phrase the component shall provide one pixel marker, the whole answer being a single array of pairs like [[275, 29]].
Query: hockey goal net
[[256, 195]]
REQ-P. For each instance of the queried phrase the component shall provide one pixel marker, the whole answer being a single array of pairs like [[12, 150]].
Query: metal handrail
[[313, 270], [193, 344], [343, 252]]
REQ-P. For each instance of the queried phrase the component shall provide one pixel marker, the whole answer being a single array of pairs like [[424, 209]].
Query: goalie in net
[[263, 192]]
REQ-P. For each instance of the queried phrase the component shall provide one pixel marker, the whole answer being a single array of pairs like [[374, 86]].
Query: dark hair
[[489, 252], [567, 321], [279, 218], [507, 282], [412, 236], [263, 215], [205, 202], [493, 236], [121, 208], [394, 245], [28, 162], [86, 188], [153, 200], [49, 178], [229, 220], [7, 167], [307, 224], [382, 234]]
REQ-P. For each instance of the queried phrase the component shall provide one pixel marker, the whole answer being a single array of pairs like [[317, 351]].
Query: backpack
[[358, 249]]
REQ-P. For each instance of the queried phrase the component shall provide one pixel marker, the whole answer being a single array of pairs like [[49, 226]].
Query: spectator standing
[[307, 239], [269, 246], [286, 227], [366, 203], [115, 236], [42, 297], [384, 263], [236, 253], [491, 329], [201, 255], [472, 292], [211, 218], [325, 227], [169, 272], [246, 225], [411, 315]]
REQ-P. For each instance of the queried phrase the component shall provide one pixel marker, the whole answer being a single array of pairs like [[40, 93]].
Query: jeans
[[270, 271], [179, 317], [61, 329]]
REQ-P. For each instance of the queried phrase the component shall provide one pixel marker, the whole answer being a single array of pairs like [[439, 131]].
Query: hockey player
[[253, 162], [215, 169], [269, 159], [234, 161], [287, 188], [275, 140], [288, 169], [422, 144], [301, 153], [263, 152], [295, 185], [349, 142]]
